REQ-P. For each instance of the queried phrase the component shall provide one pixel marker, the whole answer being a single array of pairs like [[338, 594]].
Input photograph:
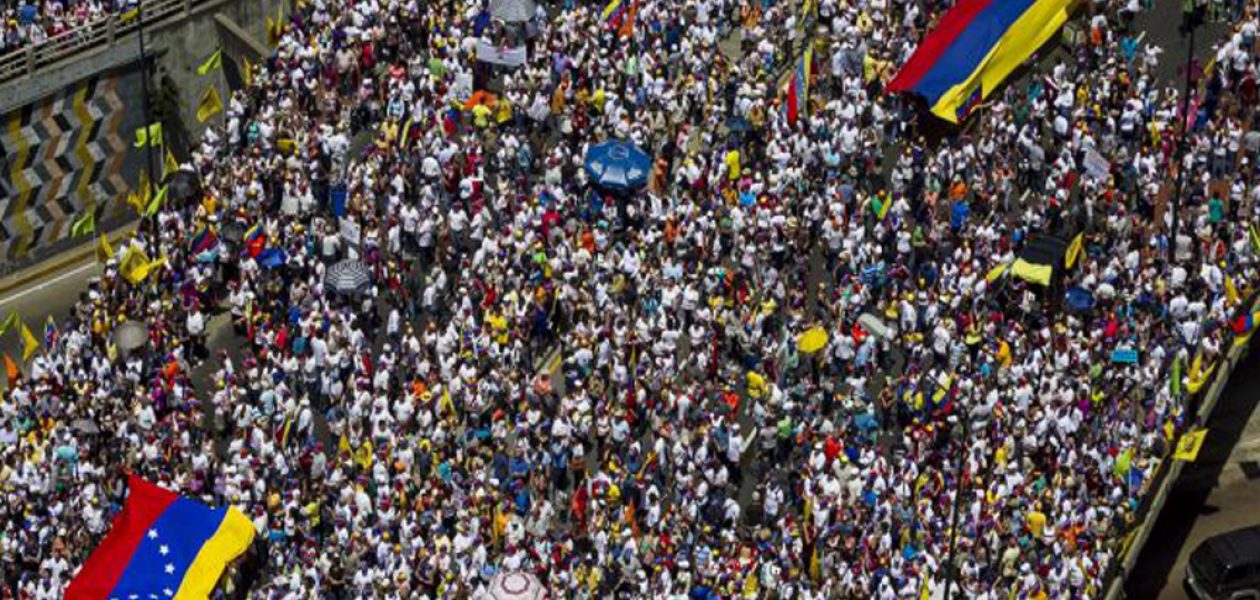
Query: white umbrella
[[517, 586], [347, 277], [131, 335], [876, 326], [513, 11]]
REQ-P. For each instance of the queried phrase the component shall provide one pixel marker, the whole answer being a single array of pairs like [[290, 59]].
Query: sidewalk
[[57, 264]]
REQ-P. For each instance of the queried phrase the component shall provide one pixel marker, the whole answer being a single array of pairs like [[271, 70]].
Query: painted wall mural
[[64, 155]]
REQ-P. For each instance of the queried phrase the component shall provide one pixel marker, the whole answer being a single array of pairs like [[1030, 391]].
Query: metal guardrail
[[99, 34]]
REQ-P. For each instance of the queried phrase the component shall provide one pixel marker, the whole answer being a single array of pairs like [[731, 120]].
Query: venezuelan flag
[[977, 44], [255, 240], [613, 13], [205, 240], [162, 545], [798, 87]]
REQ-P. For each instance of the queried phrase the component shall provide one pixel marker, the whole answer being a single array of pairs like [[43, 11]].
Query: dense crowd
[[605, 389], [28, 22]]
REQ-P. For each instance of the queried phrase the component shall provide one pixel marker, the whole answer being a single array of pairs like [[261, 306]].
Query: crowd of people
[[605, 389], [29, 22]]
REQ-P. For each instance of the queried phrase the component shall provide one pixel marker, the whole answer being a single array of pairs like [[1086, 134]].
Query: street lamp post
[[144, 83], [1192, 24], [960, 493]]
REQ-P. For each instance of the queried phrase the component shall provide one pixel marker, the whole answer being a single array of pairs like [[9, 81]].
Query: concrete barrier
[[68, 116], [1168, 478]]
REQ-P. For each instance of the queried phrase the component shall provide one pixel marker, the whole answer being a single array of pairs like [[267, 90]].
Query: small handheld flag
[[85, 225], [150, 136], [50, 332], [214, 62], [10, 323], [104, 251], [170, 165], [11, 371], [29, 343], [209, 106]]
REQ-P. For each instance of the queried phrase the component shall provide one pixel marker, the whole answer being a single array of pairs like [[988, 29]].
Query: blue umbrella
[[272, 258], [1079, 300], [618, 165]]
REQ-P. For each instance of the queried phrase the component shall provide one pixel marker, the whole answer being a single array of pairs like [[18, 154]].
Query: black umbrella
[[347, 277], [183, 187], [85, 426]]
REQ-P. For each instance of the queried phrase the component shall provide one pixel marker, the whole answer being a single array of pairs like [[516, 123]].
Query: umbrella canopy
[[131, 335], [618, 165], [513, 11], [272, 258], [812, 340], [183, 187], [516, 586], [85, 426], [875, 325], [347, 277], [1079, 300], [738, 125]]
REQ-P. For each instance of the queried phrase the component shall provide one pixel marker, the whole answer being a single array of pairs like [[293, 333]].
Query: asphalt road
[[1216, 494], [55, 296]]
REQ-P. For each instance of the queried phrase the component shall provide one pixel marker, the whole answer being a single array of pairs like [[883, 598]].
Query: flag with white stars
[[162, 546]]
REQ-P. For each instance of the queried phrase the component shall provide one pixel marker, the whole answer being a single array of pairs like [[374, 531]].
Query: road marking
[[43, 284]]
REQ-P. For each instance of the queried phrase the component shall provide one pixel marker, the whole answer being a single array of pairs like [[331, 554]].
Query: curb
[[1114, 590], [59, 262]]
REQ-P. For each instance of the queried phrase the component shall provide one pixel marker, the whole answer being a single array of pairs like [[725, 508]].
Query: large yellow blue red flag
[[162, 545], [977, 44]]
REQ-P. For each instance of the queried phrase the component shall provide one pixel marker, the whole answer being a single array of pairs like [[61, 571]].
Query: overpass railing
[[96, 35]]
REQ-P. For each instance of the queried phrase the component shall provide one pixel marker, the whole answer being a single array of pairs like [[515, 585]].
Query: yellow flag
[[104, 251], [215, 61], [274, 32], [170, 165], [1189, 444], [29, 343], [815, 566], [1198, 376], [134, 266], [995, 272], [1231, 290], [84, 225], [1074, 251], [149, 136], [156, 203], [129, 15], [209, 106], [286, 146], [247, 72], [139, 198]]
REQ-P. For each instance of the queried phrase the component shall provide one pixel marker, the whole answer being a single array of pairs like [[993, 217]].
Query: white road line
[[43, 284]]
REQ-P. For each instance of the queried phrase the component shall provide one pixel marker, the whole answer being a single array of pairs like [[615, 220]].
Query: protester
[[35, 22], [605, 389]]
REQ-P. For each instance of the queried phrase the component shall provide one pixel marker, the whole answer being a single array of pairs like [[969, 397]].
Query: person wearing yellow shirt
[[598, 99], [481, 115], [732, 165], [1036, 521]]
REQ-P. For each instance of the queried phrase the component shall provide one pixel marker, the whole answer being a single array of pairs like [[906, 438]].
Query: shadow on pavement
[[1188, 498]]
